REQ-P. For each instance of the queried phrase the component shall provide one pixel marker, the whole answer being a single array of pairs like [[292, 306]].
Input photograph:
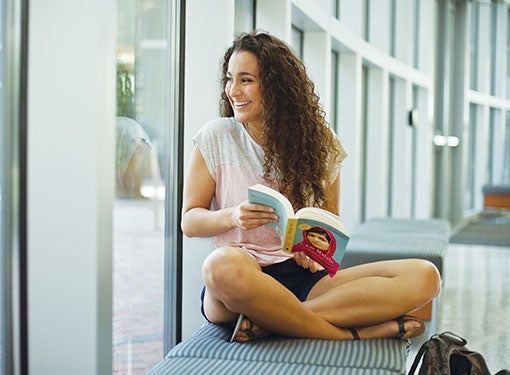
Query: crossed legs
[[368, 297]]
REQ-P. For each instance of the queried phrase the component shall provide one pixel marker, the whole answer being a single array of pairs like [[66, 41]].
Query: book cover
[[318, 233]]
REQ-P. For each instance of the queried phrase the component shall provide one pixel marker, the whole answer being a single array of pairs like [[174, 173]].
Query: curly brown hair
[[297, 138]]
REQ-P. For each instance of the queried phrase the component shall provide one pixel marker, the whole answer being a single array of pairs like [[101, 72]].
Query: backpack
[[446, 354]]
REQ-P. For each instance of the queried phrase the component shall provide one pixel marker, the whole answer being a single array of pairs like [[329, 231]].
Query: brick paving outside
[[138, 282]]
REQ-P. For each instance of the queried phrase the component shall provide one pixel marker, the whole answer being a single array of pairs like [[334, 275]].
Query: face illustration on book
[[320, 239]]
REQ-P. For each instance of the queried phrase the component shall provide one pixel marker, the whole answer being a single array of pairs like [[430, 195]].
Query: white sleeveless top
[[235, 162]]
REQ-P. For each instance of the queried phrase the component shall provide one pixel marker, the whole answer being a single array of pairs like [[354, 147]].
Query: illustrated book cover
[[318, 233]]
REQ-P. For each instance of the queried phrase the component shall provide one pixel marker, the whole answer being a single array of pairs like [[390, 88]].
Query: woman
[[273, 132]]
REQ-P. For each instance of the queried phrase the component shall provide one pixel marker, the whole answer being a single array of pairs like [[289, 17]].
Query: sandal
[[402, 330], [247, 331]]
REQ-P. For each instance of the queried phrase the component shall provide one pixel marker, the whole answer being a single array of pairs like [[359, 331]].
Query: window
[[297, 40], [366, 20], [364, 137], [416, 34], [145, 321], [473, 46], [508, 56], [470, 190], [335, 8], [13, 291], [335, 61], [244, 15]]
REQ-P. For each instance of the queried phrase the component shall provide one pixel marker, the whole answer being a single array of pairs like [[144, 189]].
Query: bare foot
[[249, 331], [407, 328]]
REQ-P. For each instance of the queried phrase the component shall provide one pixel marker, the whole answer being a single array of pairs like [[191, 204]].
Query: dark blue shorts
[[292, 276]]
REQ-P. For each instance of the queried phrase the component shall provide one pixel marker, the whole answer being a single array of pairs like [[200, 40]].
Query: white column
[[204, 56], [376, 164], [402, 150], [424, 156], [71, 159], [349, 129]]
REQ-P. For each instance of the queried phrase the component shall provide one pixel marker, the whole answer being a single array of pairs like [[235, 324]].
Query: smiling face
[[243, 88]]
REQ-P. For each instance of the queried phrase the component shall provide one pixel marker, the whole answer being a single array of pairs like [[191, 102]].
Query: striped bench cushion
[[209, 352], [388, 238]]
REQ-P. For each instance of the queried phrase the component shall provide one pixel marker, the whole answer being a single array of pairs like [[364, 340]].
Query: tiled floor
[[475, 301], [138, 281]]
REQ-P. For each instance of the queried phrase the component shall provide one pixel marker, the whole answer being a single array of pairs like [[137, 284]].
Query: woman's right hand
[[304, 261], [249, 216]]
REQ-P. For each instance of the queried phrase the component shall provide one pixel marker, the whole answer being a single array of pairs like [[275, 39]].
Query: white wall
[[204, 55], [71, 147]]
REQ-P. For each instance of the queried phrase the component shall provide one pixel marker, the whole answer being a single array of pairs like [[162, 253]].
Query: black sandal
[[402, 330], [248, 331]]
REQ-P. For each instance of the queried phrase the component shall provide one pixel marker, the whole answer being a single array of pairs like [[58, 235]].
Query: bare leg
[[368, 296], [375, 292], [235, 284], [378, 293]]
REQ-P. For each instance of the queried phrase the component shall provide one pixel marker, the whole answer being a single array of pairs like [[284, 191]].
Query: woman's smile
[[243, 88]]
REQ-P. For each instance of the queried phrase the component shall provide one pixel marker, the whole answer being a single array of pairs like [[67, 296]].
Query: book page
[[261, 194], [324, 216]]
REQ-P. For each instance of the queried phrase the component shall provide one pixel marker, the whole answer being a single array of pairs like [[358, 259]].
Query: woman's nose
[[233, 89]]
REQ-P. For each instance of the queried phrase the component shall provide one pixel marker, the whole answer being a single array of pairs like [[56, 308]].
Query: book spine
[[290, 232]]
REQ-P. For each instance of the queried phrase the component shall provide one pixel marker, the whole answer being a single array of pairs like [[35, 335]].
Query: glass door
[[13, 322], [146, 249], [13, 63]]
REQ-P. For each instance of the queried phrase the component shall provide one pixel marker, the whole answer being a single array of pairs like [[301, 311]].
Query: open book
[[319, 233]]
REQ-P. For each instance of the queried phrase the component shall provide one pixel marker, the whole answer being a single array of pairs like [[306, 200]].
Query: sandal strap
[[251, 336], [401, 327], [354, 333]]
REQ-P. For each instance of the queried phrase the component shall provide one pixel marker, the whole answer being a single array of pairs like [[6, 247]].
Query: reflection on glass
[[142, 113]]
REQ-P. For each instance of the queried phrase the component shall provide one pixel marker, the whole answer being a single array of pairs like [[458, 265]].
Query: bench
[[390, 238], [496, 196], [209, 352]]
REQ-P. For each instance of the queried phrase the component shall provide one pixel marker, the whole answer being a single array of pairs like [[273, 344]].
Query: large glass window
[[145, 156], [13, 265], [470, 155], [391, 141], [335, 8], [335, 78], [508, 56], [364, 138], [416, 34], [297, 41], [244, 15], [473, 46]]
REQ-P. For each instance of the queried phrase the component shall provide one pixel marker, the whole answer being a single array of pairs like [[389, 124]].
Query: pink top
[[235, 162]]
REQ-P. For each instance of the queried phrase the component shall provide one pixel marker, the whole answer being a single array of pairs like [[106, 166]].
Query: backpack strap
[[419, 355]]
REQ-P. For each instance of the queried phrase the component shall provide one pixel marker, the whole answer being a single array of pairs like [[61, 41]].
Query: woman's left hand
[[302, 259]]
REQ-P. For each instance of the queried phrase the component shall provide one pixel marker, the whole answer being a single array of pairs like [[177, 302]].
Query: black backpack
[[446, 354]]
